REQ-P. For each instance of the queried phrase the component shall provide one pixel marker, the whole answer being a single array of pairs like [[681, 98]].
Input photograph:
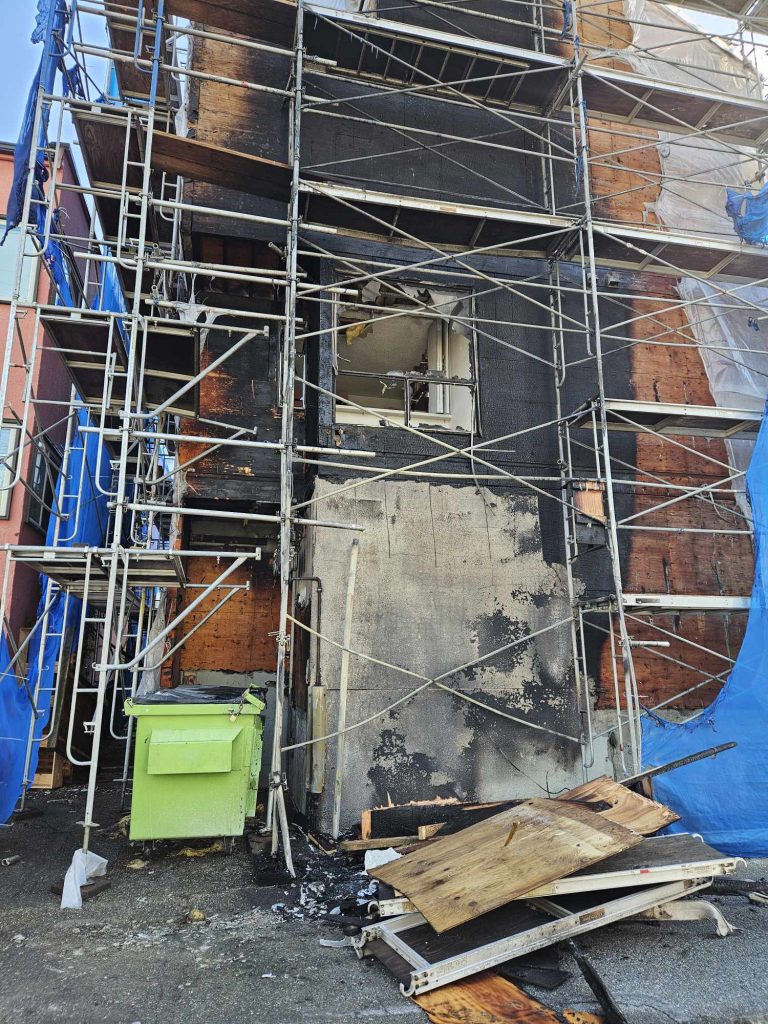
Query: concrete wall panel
[[445, 575]]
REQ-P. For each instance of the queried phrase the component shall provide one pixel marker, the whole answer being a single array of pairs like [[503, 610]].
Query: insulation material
[[149, 681]]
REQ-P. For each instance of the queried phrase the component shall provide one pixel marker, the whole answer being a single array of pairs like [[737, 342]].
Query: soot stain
[[399, 775]]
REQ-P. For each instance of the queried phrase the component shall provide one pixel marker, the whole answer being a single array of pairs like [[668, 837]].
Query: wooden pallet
[[53, 770]]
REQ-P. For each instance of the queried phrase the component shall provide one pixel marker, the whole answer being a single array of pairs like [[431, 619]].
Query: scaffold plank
[[633, 416], [356, 43], [659, 603], [201, 161], [171, 358], [69, 568], [529, 233]]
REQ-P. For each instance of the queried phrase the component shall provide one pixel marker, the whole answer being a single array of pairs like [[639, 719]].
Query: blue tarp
[[726, 798], [749, 212], [87, 528], [109, 295], [84, 518], [15, 710], [49, 29]]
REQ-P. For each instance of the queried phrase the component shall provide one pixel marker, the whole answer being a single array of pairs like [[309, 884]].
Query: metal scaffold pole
[[594, 329], [287, 384], [112, 629], [418, 226]]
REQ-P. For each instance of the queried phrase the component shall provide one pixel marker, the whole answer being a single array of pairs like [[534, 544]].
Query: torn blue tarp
[[15, 712], [749, 212], [725, 799], [49, 29], [567, 19]]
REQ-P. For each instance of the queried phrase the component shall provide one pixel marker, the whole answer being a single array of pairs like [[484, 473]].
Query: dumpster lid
[[199, 694]]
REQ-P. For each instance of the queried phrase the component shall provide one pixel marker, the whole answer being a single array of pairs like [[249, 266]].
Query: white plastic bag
[[375, 858], [84, 868]]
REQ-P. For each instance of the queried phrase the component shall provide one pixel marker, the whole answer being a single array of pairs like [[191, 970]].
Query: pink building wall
[[51, 381]]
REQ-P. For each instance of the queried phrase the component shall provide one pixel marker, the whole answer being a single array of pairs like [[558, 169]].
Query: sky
[[18, 61]]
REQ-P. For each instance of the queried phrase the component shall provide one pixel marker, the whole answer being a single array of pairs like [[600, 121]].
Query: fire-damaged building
[[421, 403], [441, 329]]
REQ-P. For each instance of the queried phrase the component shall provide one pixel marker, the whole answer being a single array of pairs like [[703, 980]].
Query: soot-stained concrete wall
[[445, 575]]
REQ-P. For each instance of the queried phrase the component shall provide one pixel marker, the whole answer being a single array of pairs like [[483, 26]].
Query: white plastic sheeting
[[375, 858], [726, 318], [734, 350], [667, 47], [84, 868], [696, 172]]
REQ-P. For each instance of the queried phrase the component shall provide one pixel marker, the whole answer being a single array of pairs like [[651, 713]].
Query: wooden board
[[53, 770], [359, 845], [484, 999], [406, 819], [627, 808], [655, 861], [485, 866], [200, 161]]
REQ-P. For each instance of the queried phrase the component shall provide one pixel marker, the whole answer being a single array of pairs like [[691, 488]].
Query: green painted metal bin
[[196, 762]]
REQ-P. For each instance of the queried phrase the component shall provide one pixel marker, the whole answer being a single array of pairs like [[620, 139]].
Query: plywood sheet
[[239, 638], [485, 999], [458, 878], [627, 808]]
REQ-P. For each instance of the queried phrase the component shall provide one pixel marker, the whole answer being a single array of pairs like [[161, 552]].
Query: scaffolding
[[550, 244]]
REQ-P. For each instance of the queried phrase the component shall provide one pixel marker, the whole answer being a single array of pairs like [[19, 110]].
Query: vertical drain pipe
[[343, 688]]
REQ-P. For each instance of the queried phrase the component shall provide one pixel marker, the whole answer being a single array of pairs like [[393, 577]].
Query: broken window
[[406, 352]]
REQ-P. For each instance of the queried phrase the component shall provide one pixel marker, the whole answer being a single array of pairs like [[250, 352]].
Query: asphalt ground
[[131, 955]]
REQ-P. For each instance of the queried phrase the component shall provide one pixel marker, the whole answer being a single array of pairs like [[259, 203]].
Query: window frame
[[7, 472], [347, 416], [46, 500]]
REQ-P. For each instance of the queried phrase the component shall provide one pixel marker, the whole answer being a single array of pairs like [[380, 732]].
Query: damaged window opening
[[407, 351]]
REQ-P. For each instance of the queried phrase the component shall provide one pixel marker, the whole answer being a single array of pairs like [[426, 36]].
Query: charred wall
[[422, 597], [444, 576]]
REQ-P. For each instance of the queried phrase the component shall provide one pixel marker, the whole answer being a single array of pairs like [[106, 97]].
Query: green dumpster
[[196, 763]]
